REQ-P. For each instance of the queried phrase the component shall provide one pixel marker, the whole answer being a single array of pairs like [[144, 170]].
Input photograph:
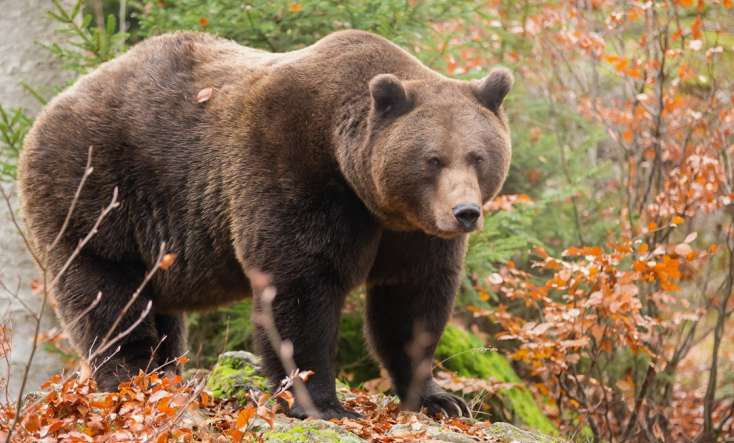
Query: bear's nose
[[467, 214]]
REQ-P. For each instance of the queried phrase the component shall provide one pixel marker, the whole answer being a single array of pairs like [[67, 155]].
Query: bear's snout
[[467, 215]]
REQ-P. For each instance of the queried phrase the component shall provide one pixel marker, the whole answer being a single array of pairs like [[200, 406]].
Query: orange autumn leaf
[[288, 397], [634, 73], [167, 261], [696, 28], [628, 135], [620, 63], [164, 405], [244, 416]]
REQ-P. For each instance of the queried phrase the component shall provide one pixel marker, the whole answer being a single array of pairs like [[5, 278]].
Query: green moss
[[506, 433], [235, 374], [465, 354], [211, 333], [310, 432], [353, 359]]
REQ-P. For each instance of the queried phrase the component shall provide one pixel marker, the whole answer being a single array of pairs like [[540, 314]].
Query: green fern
[[14, 125]]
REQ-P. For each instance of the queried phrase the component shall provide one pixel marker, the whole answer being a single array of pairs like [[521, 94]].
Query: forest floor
[[229, 404]]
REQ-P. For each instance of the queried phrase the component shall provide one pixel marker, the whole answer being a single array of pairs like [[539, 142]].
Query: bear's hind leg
[[173, 328], [76, 291]]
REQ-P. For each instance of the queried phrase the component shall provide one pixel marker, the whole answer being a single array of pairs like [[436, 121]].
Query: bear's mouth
[[450, 227], [454, 231]]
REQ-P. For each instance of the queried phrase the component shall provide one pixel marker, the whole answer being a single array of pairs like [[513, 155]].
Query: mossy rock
[[309, 431], [235, 375], [507, 433], [466, 354]]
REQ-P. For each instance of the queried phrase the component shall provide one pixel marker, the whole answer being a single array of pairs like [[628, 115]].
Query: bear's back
[[166, 141], [140, 114]]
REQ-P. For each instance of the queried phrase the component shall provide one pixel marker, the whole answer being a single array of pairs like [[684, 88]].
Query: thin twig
[[122, 334], [133, 298], [710, 396], [87, 172], [34, 345], [17, 298], [283, 348], [153, 352], [76, 319], [92, 232]]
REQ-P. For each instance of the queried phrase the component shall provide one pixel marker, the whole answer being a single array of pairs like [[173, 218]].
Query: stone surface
[[288, 430], [235, 375], [507, 433], [23, 24]]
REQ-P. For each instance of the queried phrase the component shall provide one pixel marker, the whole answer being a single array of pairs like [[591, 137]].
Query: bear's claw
[[443, 402]]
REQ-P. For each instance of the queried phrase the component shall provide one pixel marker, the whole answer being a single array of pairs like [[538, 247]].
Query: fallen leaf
[[244, 416], [204, 95], [167, 261]]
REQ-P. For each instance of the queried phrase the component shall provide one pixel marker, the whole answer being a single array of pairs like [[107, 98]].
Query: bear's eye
[[434, 162], [476, 159]]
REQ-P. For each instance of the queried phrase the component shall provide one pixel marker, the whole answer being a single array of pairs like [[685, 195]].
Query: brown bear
[[344, 163]]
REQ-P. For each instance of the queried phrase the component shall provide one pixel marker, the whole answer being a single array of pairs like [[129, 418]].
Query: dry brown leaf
[[167, 261], [204, 95]]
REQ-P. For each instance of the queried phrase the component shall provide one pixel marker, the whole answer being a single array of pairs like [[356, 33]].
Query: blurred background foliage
[[563, 188]]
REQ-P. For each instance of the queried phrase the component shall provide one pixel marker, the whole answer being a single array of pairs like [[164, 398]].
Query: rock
[[433, 431], [466, 354], [288, 430], [235, 375], [506, 433]]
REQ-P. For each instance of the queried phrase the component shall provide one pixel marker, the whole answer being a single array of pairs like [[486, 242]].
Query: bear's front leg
[[410, 295], [306, 313]]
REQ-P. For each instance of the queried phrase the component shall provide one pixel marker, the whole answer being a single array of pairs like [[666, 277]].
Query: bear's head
[[439, 150]]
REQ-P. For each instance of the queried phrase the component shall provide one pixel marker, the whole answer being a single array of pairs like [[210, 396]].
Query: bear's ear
[[492, 89], [388, 94]]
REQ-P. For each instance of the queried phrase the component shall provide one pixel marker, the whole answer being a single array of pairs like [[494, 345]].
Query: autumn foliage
[[613, 297], [625, 335]]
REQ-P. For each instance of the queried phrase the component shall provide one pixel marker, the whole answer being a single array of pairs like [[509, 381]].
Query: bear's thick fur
[[343, 163]]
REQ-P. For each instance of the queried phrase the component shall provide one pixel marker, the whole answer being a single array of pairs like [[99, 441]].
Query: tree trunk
[[23, 25]]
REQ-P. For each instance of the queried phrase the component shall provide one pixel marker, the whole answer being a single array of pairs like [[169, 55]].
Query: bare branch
[[123, 334], [87, 172], [92, 232], [284, 349], [76, 319], [133, 298]]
